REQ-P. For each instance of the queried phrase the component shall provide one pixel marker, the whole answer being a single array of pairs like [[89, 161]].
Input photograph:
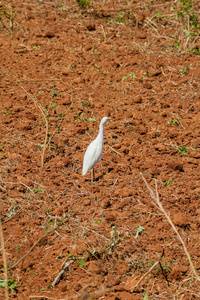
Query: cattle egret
[[94, 151]]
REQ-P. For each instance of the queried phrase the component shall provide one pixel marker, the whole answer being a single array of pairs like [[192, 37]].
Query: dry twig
[[114, 150], [67, 264], [155, 196], [144, 276], [46, 123], [22, 258], [4, 261]]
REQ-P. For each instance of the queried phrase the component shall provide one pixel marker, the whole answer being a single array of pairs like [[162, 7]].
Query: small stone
[[110, 217], [180, 219], [147, 85], [175, 166], [137, 99], [30, 116], [49, 34], [105, 203]]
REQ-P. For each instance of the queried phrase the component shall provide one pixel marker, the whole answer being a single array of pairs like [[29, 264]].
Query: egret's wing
[[92, 156]]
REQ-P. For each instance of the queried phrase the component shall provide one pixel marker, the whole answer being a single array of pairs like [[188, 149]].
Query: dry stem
[[4, 261], [144, 275], [46, 123], [155, 196], [67, 264], [22, 258]]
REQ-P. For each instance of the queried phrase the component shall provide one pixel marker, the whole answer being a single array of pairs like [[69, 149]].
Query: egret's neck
[[100, 135]]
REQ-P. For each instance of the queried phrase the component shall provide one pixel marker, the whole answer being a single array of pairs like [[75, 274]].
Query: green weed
[[7, 16], [174, 122], [83, 3], [159, 15], [85, 103], [53, 94], [81, 262], [12, 284], [35, 47], [184, 71], [168, 182], [182, 150], [139, 231]]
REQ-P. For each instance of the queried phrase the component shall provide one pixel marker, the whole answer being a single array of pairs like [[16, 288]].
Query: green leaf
[[146, 297], [112, 233], [11, 284], [183, 150], [54, 94], [159, 15], [132, 75], [91, 119], [81, 262], [168, 182], [2, 283]]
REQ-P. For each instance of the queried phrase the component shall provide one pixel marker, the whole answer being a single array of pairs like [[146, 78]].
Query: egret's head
[[104, 120]]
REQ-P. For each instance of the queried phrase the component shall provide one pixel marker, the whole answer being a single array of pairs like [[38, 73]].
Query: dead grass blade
[[144, 276], [4, 261], [22, 258], [155, 196], [46, 124]]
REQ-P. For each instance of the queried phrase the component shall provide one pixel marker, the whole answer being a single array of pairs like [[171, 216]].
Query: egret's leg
[[92, 175]]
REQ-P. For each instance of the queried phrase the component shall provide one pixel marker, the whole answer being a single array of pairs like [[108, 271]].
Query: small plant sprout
[[81, 262], [129, 75], [139, 231], [96, 221], [145, 297], [4, 16], [121, 17], [182, 150], [85, 103], [174, 122], [35, 47], [184, 71], [53, 94], [159, 15], [132, 75], [115, 236], [83, 3], [91, 119], [12, 284], [168, 182], [113, 232]]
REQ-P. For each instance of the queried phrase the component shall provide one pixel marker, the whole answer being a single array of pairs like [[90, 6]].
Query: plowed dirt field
[[65, 65]]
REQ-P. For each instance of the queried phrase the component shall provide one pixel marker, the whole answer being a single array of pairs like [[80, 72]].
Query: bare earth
[[63, 68]]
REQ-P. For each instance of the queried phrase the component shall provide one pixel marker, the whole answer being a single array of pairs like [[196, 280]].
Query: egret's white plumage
[[94, 151]]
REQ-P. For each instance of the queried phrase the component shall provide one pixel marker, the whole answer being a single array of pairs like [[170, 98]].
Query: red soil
[[75, 66]]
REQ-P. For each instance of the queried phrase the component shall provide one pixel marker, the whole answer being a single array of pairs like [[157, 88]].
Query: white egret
[[94, 151]]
